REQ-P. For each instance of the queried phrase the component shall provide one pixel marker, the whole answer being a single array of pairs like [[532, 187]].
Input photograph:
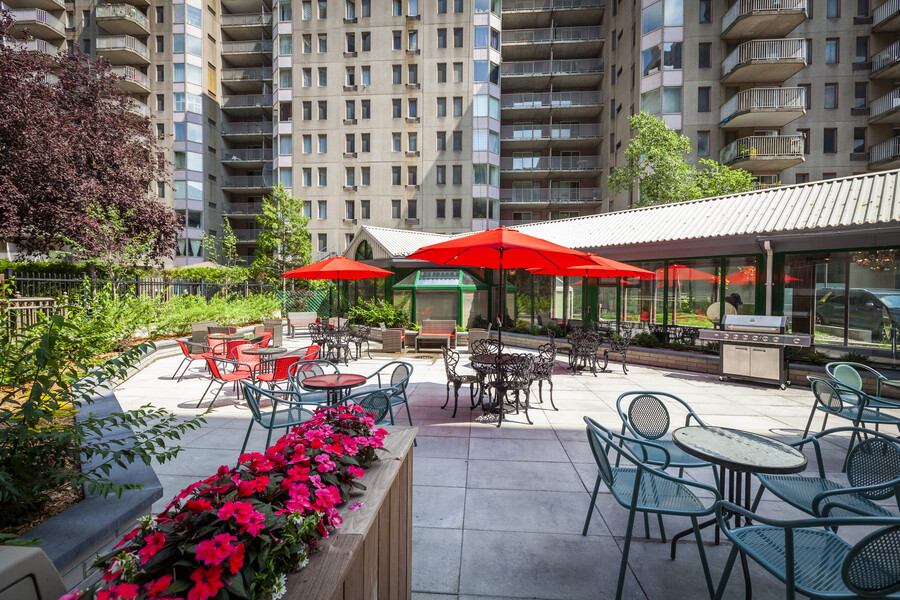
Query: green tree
[[284, 242], [656, 163], [222, 249]]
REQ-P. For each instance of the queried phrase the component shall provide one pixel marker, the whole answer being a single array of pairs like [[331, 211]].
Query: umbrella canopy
[[338, 267], [501, 248], [683, 273], [747, 276], [603, 267]]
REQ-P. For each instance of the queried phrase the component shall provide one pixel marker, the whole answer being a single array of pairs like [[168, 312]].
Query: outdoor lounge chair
[[392, 339]]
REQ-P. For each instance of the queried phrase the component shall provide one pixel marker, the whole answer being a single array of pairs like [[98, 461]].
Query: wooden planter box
[[370, 556]]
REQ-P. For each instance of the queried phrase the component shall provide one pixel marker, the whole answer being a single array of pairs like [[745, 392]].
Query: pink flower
[[128, 536], [239, 510], [74, 595], [356, 471], [123, 591], [329, 496], [236, 560], [325, 463], [247, 488], [155, 542], [214, 551], [199, 505], [155, 588], [207, 583], [255, 524]]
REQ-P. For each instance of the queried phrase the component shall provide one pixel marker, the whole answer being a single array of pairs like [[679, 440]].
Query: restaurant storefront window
[[642, 299]]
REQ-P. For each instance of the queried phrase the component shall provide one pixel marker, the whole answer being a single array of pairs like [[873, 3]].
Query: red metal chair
[[312, 352], [189, 356], [222, 377], [232, 348], [251, 360], [275, 371]]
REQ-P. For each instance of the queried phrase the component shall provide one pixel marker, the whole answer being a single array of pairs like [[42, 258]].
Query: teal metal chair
[[309, 368], [376, 402], [873, 472], [645, 416], [644, 489], [393, 378], [816, 562], [287, 410], [848, 373]]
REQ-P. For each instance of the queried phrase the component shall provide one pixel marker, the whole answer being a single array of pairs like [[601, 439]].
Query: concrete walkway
[[498, 513]]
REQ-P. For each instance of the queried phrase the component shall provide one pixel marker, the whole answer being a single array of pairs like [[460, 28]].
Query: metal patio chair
[[376, 402], [457, 380], [287, 410], [543, 370]]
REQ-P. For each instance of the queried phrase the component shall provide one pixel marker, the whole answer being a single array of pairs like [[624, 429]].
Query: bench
[[433, 330], [300, 319]]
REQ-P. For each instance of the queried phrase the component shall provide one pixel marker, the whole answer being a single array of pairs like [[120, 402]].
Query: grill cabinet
[[752, 347]]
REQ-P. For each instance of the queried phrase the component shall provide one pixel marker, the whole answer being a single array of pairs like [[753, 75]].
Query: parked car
[[871, 309]]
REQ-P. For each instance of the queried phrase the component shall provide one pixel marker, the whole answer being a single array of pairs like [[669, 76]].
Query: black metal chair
[[513, 376], [543, 370], [584, 347], [359, 336], [618, 344], [457, 380]]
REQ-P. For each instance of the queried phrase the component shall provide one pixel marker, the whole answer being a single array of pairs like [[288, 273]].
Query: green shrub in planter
[[856, 357], [645, 339], [374, 312]]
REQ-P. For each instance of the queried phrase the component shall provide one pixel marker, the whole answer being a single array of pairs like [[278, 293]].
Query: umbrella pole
[[502, 299]]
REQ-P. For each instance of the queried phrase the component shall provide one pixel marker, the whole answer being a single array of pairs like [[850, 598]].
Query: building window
[[833, 9], [307, 43], [366, 75], [323, 110], [807, 94], [440, 207], [442, 7], [829, 140], [349, 178], [323, 76], [457, 72], [396, 8], [285, 78], [366, 39], [160, 14], [396, 142], [862, 49], [441, 141], [396, 74], [651, 18], [323, 144], [440, 172], [307, 78], [397, 40], [323, 209], [323, 176], [285, 111], [307, 10], [702, 143], [364, 172], [350, 76], [859, 140], [412, 176], [704, 55], [350, 208], [831, 95], [804, 134], [442, 72], [160, 44], [413, 108], [307, 178], [457, 6], [457, 174], [160, 102], [323, 9], [703, 99], [828, 176], [457, 37], [441, 38], [808, 44], [366, 8], [323, 43], [395, 176], [442, 107], [307, 111], [323, 242], [351, 42], [860, 94], [160, 73], [457, 141], [412, 39], [395, 209], [350, 107], [365, 142], [396, 108], [801, 178], [364, 208], [457, 208], [706, 11], [285, 44], [457, 106], [832, 48], [862, 8], [412, 209], [307, 144], [412, 142]]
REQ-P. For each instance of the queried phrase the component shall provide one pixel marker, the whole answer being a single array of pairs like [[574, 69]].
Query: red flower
[[128, 536], [207, 583], [155, 588], [356, 471], [155, 542], [247, 488], [236, 560], [255, 524], [214, 551], [123, 591], [243, 514], [199, 505]]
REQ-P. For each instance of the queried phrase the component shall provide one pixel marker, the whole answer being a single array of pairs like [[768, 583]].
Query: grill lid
[[761, 323]]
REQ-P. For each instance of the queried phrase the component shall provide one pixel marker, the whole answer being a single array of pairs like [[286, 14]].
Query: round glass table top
[[267, 350], [739, 450]]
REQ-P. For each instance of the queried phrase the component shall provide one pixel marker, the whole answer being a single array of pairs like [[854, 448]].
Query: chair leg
[[247, 437], [527, 402], [212, 381], [756, 500], [729, 565], [456, 387], [587, 520], [181, 364], [624, 566], [447, 401], [703, 562], [809, 422], [550, 384]]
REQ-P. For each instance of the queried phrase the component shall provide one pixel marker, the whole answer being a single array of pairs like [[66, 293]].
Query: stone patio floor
[[498, 513]]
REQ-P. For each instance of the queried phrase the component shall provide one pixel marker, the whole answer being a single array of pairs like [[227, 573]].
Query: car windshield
[[892, 301]]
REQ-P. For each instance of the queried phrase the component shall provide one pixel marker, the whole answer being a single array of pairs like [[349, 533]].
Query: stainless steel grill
[[752, 347]]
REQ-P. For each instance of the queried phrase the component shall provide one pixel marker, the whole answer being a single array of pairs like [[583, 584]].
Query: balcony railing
[[743, 7], [549, 163], [122, 11], [131, 74], [263, 19], [246, 154], [558, 34], [548, 99], [246, 235], [141, 109], [884, 151], [885, 12], [886, 103], [527, 68], [35, 45], [790, 49], [243, 208], [886, 57], [36, 15], [786, 98], [540, 5], [571, 131], [247, 47], [248, 101], [122, 42], [247, 128], [254, 74], [762, 146], [247, 181], [550, 195]]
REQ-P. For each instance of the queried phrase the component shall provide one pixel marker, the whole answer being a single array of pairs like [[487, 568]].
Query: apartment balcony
[[247, 52], [141, 109], [51, 5], [583, 72], [886, 64], [524, 105], [122, 18], [885, 155], [39, 23], [763, 107], [549, 196], [133, 80], [571, 135], [760, 61], [247, 129], [243, 7], [750, 19], [250, 26], [530, 167], [242, 209], [247, 183], [764, 152], [245, 80], [123, 50], [248, 103], [246, 235], [565, 42], [246, 157], [885, 109], [886, 18], [39, 46], [522, 14]]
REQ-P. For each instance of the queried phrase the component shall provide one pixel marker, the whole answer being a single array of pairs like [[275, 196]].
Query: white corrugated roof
[[858, 200], [388, 243]]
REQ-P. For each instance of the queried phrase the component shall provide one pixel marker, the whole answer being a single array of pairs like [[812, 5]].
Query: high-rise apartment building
[[401, 113]]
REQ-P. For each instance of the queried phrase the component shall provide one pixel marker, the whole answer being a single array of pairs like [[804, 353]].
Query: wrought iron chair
[[338, 343], [457, 380], [618, 344], [645, 416], [293, 410], [583, 352], [643, 489], [359, 336], [810, 558], [543, 370], [484, 346], [376, 402], [848, 373], [317, 334], [873, 471], [513, 376], [219, 375]]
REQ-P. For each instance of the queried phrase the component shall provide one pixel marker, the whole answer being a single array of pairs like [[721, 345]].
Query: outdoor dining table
[[228, 336], [270, 351], [488, 363], [737, 453], [335, 385]]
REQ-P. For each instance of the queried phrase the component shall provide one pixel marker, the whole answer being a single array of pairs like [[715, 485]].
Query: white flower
[[303, 561], [148, 522], [296, 518], [280, 588]]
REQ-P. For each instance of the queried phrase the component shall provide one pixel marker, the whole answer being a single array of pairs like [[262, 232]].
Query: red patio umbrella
[[747, 276], [338, 267], [501, 248], [683, 273], [602, 267]]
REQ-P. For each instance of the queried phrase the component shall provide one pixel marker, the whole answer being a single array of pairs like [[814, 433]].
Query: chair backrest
[[378, 403], [312, 352], [280, 366], [600, 440], [647, 415], [849, 376], [832, 395], [252, 394], [400, 376], [516, 371], [247, 359], [872, 567], [218, 329], [184, 347], [872, 462], [232, 346], [317, 333], [451, 359], [213, 365], [301, 369], [485, 346]]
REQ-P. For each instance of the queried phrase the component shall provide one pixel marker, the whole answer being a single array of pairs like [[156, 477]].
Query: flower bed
[[238, 533]]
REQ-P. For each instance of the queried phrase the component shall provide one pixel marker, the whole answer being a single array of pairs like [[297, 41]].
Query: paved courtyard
[[498, 513]]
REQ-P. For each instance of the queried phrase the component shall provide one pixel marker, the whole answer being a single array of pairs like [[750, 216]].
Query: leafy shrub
[[856, 357], [710, 348], [374, 312], [645, 339], [817, 358]]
